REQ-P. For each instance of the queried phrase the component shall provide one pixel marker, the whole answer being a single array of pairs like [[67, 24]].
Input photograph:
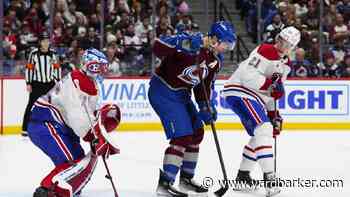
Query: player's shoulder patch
[[86, 84], [268, 51]]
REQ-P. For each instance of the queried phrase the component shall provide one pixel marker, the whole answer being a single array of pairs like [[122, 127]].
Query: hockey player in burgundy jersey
[[186, 61], [67, 113], [251, 92]]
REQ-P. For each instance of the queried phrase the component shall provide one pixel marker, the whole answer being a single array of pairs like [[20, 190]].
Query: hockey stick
[[108, 176], [275, 138], [220, 192]]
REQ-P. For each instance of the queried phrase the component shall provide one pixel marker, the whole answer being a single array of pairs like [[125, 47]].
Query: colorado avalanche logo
[[190, 75]]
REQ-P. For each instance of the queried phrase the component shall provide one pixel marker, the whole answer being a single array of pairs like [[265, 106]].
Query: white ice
[[302, 154]]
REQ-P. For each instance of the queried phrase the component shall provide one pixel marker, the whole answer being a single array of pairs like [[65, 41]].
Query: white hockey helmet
[[290, 36]]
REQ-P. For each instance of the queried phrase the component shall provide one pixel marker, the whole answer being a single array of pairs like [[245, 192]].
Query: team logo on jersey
[[191, 74]]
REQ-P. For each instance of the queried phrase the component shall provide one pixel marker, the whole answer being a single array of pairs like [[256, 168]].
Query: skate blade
[[190, 192], [273, 193], [246, 190], [165, 194]]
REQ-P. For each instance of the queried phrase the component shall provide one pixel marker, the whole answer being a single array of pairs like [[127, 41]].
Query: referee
[[42, 70]]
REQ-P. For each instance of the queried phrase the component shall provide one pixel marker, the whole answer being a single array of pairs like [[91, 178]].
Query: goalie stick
[[108, 175]]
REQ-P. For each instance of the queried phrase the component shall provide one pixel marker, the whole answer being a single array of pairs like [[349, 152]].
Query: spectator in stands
[[329, 68], [343, 7], [268, 10], [142, 29], [131, 38], [9, 66], [339, 30], [114, 62], [70, 13], [94, 21], [76, 26], [10, 37], [312, 18], [163, 27], [300, 66], [301, 8], [12, 19], [90, 41], [124, 22], [290, 15], [273, 29], [162, 10], [26, 38], [68, 34], [35, 22], [314, 51], [330, 17], [345, 66], [339, 49]]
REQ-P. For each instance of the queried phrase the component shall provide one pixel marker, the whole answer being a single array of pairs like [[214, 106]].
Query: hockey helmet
[[224, 32], [290, 37]]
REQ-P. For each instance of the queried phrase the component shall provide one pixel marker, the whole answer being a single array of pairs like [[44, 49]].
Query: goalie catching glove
[[108, 119]]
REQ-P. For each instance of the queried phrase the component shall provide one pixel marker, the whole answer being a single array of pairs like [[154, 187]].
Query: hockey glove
[[276, 121], [274, 85], [190, 43], [108, 120], [101, 145], [207, 115]]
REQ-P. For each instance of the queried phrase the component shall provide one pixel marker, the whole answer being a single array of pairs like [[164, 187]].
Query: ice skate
[[166, 188], [245, 183], [44, 192], [270, 183], [187, 184]]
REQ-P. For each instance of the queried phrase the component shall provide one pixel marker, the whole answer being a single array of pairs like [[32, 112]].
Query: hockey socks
[[173, 159], [190, 160], [248, 159], [263, 147], [265, 157]]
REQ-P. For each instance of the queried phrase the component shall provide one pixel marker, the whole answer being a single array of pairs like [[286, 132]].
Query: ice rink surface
[[305, 155]]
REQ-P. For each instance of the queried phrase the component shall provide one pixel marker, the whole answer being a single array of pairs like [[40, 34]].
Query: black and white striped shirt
[[42, 67]]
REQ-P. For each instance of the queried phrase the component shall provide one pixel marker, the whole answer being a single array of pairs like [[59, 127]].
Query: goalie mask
[[95, 64]]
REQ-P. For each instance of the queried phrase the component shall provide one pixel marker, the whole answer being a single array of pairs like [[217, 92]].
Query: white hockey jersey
[[249, 79], [75, 98]]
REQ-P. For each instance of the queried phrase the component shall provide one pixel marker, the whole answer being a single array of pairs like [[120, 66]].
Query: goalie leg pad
[[69, 178]]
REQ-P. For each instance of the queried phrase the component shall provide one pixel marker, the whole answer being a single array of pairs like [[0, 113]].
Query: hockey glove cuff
[[205, 114], [276, 121]]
